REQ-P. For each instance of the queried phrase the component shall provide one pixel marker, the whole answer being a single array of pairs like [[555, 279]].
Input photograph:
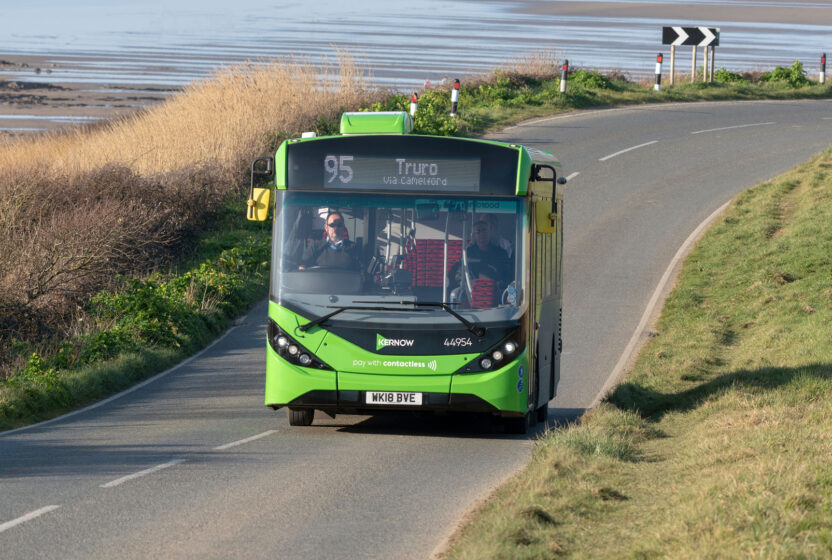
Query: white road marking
[[826, 118], [139, 474], [242, 441], [732, 127], [638, 335], [605, 158], [572, 176], [28, 517]]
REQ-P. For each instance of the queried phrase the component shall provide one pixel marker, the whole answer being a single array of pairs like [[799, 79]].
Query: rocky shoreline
[[30, 103]]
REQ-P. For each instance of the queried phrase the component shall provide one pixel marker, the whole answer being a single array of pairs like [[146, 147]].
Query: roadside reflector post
[[658, 85], [563, 73], [693, 66], [414, 103], [672, 64], [454, 98], [823, 69]]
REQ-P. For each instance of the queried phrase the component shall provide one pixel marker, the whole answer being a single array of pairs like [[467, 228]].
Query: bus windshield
[[407, 258]]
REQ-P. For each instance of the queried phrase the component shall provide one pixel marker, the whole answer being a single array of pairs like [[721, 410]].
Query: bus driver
[[335, 250]]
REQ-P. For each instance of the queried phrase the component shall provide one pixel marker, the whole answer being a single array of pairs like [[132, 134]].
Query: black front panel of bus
[[402, 164], [427, 341]]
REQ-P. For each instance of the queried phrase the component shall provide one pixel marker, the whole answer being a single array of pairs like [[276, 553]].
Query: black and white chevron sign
[[699, 36]]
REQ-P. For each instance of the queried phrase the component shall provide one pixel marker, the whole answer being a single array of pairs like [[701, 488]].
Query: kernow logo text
[[382, 342]]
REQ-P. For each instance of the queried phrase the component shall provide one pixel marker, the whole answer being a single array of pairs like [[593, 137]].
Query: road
[[192, 464]]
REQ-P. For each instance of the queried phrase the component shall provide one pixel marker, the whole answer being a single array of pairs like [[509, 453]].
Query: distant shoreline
[[36, 104], [808, 12]]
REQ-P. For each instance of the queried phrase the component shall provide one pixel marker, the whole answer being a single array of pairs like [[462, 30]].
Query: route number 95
[[338, 166]]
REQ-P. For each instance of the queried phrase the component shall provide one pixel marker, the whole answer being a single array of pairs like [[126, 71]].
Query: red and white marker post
[[658, 85], [454, 98], [414, 104], [823, 69], [563, 73]]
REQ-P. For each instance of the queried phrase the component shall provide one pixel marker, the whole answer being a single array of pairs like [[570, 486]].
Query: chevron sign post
[[705, 37], [690, 36]]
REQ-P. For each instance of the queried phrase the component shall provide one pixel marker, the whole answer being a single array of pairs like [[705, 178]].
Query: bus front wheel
[[300, 416]]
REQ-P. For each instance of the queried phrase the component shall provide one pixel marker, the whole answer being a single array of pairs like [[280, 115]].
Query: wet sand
[[38, 105], [36, 95], [810, 12]]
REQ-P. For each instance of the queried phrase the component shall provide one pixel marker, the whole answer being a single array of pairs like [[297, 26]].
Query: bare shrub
[[79, 207], [541, 65]]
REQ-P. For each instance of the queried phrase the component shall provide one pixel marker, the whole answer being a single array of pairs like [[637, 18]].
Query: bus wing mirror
[[258, 204], [258, 197], [545, 218]]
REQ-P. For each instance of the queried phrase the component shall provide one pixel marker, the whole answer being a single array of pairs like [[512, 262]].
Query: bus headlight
[[291, 350], [496, 357]]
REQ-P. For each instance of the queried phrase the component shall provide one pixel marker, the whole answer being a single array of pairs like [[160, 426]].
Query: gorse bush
[[723, 75], [794, 75], [432, 113], [589, 79]]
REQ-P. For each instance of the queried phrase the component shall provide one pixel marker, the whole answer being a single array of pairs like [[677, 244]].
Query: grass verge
[[144, 325], [86, 214], [718, 443]]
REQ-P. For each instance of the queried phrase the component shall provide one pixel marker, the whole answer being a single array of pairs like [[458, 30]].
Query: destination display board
[[402, 164]]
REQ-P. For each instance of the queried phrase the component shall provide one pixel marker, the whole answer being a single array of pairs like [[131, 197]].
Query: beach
[[54, 77], [36, 104]]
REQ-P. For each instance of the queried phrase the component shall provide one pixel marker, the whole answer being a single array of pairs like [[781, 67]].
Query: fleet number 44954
[[458, 342]]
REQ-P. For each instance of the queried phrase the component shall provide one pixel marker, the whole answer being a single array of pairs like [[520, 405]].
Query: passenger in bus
[[496, 238], [485, 259], [335, 250]]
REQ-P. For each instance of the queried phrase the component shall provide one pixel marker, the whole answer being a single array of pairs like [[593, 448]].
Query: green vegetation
[[794, 76], [143, 325], [510, 96], [80, 314], [717, 444]]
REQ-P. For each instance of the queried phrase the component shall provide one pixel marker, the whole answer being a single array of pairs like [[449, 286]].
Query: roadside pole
[[658, 85], [672, 64], [823, 69], [563, 74], [454, 98], [693, 66], [713, 55]]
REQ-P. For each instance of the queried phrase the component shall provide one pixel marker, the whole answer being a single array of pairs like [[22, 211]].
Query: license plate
[[394, 398]]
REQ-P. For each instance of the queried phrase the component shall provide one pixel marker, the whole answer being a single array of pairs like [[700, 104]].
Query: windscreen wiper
[[314, 322], [476, 330]]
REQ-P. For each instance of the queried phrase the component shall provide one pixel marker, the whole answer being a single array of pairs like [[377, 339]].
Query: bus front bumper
[[503, 391]]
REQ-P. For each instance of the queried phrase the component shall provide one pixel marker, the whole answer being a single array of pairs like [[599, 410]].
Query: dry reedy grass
[[79, 207], [543, 64], [221, 120]]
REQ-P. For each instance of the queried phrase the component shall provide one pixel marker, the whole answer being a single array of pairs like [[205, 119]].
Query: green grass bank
[[718, 442], [137, 324]]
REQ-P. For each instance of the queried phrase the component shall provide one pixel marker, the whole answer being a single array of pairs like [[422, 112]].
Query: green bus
[[411, 273]]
